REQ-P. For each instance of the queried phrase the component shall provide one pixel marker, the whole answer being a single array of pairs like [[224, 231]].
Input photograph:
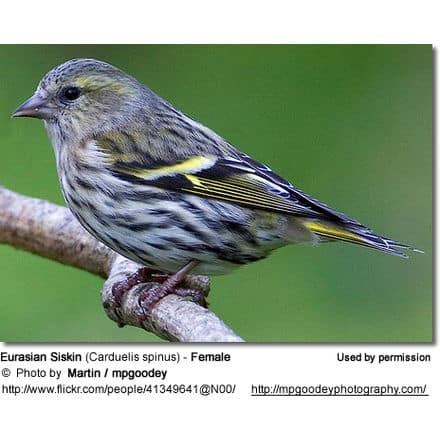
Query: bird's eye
[[71, 93]]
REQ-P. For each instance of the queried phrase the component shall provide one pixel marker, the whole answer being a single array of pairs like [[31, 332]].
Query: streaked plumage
[[162, 189]]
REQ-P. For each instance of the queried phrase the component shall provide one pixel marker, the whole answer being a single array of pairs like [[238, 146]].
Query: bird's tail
[[327, 231]]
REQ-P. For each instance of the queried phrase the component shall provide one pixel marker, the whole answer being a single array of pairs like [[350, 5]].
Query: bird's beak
[[34, 107]]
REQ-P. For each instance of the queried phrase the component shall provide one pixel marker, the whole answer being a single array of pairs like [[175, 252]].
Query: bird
[[165, 191]]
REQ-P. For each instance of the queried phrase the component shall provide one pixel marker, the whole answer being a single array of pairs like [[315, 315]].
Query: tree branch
[[51, 231]]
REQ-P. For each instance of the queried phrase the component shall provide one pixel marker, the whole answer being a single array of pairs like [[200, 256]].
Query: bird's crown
[[86, 73]]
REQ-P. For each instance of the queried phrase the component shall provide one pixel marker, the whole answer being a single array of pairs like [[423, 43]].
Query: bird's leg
[[150, 297], [142, 275]]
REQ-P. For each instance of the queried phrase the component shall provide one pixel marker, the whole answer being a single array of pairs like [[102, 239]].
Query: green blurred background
[[350, 125]]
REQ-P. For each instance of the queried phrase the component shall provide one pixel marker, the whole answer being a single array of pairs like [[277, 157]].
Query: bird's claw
[[152, 293], [154, 286], [120, 288]]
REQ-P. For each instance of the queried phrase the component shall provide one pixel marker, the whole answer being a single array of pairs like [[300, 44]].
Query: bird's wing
[[236, 178]]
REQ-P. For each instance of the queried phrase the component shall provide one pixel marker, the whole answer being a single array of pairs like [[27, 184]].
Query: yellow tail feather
[[334, 232]]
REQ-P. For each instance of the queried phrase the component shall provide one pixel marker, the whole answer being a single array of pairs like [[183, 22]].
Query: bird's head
[[81, 96]]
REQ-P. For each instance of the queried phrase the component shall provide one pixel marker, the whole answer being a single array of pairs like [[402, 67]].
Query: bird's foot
[[142, 275], [152, 293], [151, 286]]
